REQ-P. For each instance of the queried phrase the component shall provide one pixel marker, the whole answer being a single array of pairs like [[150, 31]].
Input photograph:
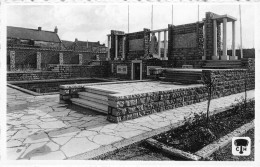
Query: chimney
[[39, 28], [56, 29]]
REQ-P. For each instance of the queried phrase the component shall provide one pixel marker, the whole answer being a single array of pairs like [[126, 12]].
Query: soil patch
[[191, 137], [195, 134]]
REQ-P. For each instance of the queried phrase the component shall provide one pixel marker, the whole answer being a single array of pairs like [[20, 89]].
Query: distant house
[[37, 38], [84, 46]]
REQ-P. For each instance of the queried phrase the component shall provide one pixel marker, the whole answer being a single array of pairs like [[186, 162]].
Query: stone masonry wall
[[27, 57], [128, 107], [64, 72], [229, 82], [189, 55], [139, 54]]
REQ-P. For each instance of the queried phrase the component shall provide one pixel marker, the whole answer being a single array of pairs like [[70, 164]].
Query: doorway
[[136, 70]]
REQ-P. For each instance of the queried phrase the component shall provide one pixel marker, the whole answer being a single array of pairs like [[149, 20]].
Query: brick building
[[36, 38]]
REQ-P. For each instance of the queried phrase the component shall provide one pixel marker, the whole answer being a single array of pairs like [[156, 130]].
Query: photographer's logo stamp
[[241, 146]]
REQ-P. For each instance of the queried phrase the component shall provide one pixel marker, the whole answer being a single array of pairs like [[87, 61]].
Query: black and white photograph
[[129, 81]]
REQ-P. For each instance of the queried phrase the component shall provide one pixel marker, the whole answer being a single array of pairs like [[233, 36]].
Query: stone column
[[165, 48], [159, 45], [233, 57], [61, 58], [80, 59], [39, 60], [116, 48], [215, 43], [224, 56], [12, 60], [108, 46], [123, 48]]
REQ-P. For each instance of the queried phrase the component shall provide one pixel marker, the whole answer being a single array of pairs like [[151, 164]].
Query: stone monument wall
[[185, 45]]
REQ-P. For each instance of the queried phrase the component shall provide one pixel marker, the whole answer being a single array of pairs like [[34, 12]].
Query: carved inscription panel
[[188, 40], [136, 44]]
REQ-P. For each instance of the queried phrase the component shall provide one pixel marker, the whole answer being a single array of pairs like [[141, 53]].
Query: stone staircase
[[222, 64], [93, 99], [185, 76]]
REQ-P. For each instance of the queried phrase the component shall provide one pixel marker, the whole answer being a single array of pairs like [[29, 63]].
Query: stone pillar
[[80, 59], [233, 57], [116, 47], [132, 71], [215, 43], [224, 56], [108, 46], [165, 48], [39, 60], [12, 60], [123, 49], [61, 58], [159, 45], [205, 41]]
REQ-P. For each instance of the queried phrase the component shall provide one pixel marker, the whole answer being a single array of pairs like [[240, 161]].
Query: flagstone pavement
[[39, 128]]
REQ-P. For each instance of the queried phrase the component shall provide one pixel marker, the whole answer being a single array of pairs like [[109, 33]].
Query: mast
[[128, 18], [152, 19], [241, 46], [172, 14]]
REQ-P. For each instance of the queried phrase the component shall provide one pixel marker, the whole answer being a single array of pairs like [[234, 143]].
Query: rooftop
[[32, 34]]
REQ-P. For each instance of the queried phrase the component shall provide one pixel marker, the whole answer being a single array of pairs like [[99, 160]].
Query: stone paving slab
[[41, 128], [138, 87]]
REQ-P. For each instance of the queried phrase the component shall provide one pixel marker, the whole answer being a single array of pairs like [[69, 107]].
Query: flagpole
[[198, 12], [152, 19], [172, 14], [241, 46], [128, 18]]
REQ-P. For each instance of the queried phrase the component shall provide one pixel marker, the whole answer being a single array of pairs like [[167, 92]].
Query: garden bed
[[189, 138], [194, 135]]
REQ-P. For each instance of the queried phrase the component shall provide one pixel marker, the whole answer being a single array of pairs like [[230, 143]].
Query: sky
[[94, 22]]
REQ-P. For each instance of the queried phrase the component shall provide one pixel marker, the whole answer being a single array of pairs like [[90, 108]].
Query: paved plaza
[[38, 127]]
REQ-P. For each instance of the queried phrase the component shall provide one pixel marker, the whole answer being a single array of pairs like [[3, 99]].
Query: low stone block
[[140, 107], [131, 110], [135, 115], [141, 100], [129, 116]]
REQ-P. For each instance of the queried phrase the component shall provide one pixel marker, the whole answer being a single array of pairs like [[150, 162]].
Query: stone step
[[93, 95], [99, 91], [93, 100], [90, 104]]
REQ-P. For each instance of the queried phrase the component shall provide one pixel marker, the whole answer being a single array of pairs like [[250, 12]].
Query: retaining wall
[[127, 107]]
